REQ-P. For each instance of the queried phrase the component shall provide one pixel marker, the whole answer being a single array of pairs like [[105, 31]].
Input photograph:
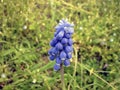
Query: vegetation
[[26, 28]]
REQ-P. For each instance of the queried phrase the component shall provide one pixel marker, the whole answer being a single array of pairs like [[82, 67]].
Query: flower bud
[[64, 41], [63, 55], [53, 51], [58, 61], [68, 35], [53, 42], [68, 49], [69, 55], [59, 46], [56, 67], [70, 42], [51, 57], [60, 35], [67, 63]]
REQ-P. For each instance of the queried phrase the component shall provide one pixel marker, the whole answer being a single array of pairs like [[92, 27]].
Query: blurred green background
[[26, 28]]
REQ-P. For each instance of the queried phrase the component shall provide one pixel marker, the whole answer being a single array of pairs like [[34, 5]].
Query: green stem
[[62, 77]]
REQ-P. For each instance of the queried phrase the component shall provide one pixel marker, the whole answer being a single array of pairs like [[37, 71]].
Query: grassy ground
[[26, 28]]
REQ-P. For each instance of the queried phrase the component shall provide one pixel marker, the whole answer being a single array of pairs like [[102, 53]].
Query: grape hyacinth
[[61, 44]]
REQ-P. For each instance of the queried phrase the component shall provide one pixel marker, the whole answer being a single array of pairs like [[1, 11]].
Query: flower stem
[[62, 77]]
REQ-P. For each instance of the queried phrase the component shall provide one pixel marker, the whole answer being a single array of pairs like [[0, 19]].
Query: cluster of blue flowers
[[62, 44]]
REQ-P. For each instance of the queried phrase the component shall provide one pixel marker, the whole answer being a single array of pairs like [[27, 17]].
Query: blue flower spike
[[61, 44]]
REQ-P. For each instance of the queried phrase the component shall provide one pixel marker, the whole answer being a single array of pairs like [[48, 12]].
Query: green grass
[[26, 28]]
